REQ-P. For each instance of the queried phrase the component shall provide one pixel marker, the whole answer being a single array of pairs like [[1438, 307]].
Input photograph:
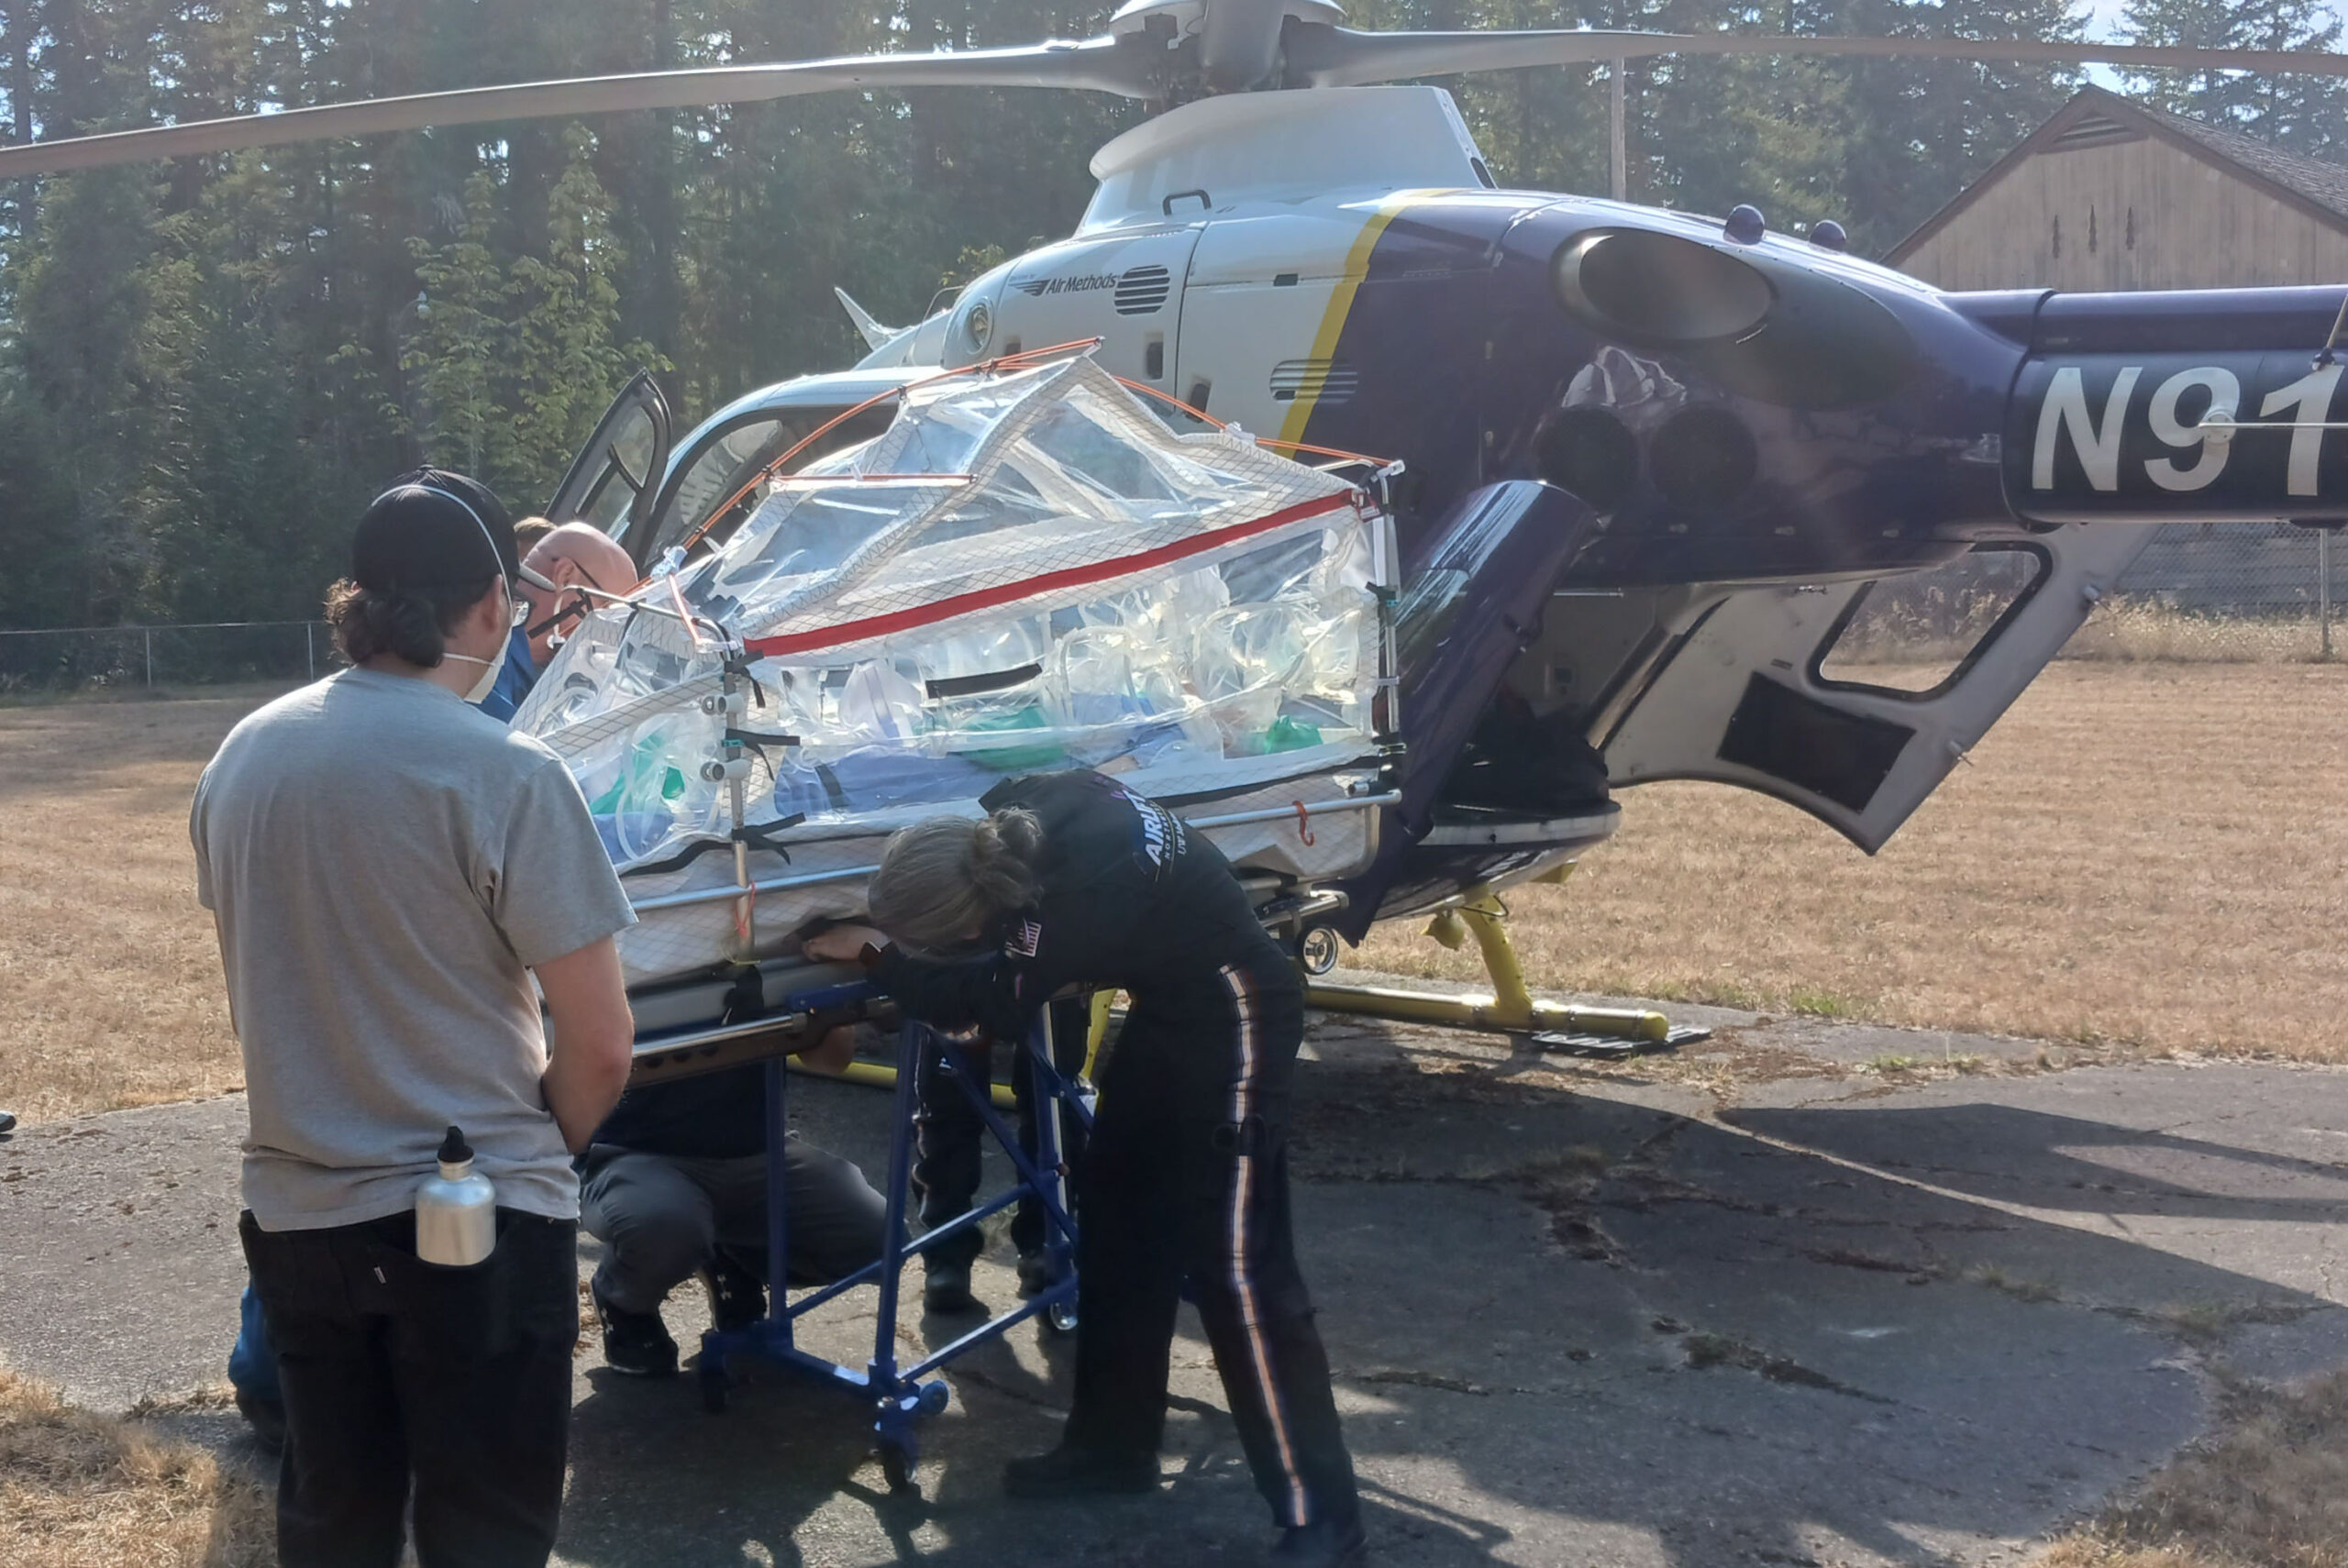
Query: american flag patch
[[1025, 939]]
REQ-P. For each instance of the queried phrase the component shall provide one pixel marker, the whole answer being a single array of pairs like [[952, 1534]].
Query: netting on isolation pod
[[1026, 570]]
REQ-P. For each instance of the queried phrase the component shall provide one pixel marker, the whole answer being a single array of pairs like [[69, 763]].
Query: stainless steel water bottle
[[456, 1211]]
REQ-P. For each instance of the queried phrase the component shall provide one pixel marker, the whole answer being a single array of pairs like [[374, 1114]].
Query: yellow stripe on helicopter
[[1341, 303]]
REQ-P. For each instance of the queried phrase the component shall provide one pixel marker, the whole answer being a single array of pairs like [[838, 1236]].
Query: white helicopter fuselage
[[1339, 267], [1220, 249]]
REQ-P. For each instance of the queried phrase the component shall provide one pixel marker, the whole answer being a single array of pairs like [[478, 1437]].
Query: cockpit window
[[726, 461]]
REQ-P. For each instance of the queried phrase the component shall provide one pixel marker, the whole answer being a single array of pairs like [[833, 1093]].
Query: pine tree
[[2304, 114], [452, 356], [563, 361]]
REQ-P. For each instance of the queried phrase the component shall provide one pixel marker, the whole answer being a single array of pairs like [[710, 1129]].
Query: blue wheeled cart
[[899, 1395]]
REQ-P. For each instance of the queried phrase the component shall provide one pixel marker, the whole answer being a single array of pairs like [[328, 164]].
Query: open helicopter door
[[1853, 701], [612, 482]]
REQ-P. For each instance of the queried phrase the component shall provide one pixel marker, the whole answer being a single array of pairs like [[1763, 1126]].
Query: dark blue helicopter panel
[[1734, 412]]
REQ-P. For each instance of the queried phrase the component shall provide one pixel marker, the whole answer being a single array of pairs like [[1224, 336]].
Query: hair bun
[[1004, 849]]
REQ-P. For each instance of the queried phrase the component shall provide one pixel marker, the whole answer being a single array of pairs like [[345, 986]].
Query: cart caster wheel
[[713, 1389], [1060, 1320], [932, 1399], [897, 1468], [1317, 950]]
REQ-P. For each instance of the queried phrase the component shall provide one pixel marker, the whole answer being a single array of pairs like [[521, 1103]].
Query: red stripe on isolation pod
[[1074, 577]]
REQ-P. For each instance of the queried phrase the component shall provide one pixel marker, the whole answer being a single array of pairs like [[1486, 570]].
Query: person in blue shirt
[[568, 560], [562, 562]]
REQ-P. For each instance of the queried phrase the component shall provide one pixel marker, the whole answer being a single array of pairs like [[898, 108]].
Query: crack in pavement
[[1705, 1351]]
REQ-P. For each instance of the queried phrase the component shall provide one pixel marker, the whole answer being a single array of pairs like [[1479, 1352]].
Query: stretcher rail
[[854, 873]]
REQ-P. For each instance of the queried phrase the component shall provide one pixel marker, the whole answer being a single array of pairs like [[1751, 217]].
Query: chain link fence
[[2200, 592], [220, 653], [2225, 590]]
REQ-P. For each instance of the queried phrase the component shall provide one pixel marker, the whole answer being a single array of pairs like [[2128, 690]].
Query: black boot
[[267, 1418], [946, 1288], [1038, 1272], [736, 1296], [1068, 1471], [1326, 1544], [635, 1343]]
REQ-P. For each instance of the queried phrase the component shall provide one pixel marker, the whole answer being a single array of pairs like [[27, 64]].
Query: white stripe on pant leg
[[1243, 1280]]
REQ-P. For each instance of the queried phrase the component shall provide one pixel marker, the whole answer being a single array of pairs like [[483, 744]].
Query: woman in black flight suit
[[1073, 878]]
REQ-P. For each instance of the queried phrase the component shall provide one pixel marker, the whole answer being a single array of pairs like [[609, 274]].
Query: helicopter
[[1652, 465]]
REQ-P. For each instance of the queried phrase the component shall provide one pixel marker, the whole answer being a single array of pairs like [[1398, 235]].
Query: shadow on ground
[[1580, 1316], [1575, 1330]]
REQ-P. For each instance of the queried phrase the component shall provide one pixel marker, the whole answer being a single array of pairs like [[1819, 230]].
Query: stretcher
[[898, 1395], [1026, 572]]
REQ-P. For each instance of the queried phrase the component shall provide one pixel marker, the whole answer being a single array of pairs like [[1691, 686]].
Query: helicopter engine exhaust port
[[1658, 291], [1752, 322], [1589, 452]]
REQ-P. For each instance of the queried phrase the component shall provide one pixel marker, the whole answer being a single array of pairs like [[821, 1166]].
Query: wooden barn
[[2109, 195]]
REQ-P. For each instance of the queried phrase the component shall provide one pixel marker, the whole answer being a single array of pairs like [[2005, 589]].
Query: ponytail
[[412, 625]]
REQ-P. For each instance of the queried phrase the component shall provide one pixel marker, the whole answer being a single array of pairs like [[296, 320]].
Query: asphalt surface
[[1812, 1294]]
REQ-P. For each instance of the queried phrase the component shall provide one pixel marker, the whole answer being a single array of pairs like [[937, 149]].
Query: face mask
[[491, 668]]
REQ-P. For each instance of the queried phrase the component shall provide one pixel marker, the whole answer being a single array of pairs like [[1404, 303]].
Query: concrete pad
[[1579, 1313]]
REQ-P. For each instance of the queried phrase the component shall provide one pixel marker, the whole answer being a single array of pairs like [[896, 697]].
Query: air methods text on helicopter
[[2211, 437]]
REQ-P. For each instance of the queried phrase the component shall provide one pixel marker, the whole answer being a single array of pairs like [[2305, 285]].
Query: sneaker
[[1068, 1471], [7, 1121], [267, 1418], [946, 1288], [635, 1343], [1326, 1544], [736, 1296], [1038, 1272]]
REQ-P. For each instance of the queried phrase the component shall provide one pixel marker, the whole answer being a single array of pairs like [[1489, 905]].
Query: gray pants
[[663, 1218]]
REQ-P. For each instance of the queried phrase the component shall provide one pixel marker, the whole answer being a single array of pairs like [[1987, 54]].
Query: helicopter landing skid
[[1511, 1009]]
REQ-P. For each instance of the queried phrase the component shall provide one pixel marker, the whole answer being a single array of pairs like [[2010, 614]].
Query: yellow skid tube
[[1511, 1009]]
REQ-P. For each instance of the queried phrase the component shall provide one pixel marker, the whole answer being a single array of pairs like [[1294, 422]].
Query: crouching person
[[387, 868], [1073, 878], [674, 1186], [952, 1150]]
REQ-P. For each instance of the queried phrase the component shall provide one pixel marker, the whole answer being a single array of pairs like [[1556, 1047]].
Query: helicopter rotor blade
[[1130, 65], [1341, 57], [1101, 65]]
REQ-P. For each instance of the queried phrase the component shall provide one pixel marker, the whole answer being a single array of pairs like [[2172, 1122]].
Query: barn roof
[[2094, 117]]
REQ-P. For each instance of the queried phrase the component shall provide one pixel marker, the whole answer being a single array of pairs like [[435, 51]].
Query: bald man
[[571, 558]]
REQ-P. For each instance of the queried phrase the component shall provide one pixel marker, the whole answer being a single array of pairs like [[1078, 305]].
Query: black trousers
[[398, 1371], [952, 1139], [1186, 1177]]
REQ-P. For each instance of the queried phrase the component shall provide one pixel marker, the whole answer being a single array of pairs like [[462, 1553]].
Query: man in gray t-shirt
[[388, 867]]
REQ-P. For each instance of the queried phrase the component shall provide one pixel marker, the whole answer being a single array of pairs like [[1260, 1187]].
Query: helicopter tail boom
[[2206, 406]]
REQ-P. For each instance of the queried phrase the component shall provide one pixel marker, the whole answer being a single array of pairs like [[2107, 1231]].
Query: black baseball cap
[[433, 529]]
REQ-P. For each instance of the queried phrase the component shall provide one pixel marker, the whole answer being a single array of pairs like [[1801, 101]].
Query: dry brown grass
[[2269, 1490], [84, 1491], [2144, 853], [2139, 631], [109, 968]]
